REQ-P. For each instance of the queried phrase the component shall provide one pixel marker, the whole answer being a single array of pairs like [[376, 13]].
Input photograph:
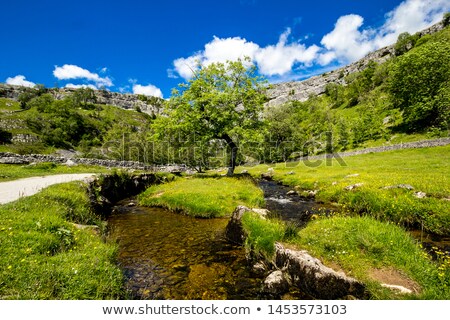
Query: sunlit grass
[[44, 256], [204, 197], [426, 170]]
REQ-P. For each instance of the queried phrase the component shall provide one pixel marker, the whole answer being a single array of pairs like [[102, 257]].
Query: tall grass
[[44, 256], [204, 197]]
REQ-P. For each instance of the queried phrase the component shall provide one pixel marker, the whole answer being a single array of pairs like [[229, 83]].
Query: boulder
[[234, 231], [312, 277], [276, 283], [353, 186], [420, 195], [267, 176]]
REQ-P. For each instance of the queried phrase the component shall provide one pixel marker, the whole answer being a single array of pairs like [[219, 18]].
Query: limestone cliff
[[125, 101], [302, 90]]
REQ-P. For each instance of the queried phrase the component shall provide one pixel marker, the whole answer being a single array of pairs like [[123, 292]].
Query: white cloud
[[19, 80], [148, 90], [78, 86], [186, 67], [221, 50], [279, 59], [346, 42], [410, 16], [70, 71], [349, 41], [272, 60]]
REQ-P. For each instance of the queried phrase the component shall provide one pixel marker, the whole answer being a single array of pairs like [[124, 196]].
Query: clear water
[[171, 256]]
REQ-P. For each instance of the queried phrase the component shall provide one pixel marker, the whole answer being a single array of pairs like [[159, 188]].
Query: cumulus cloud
[[70, 71], [275, 59], [346, 41], [349, 41], [148, 90], [20, 80], [279, 59]]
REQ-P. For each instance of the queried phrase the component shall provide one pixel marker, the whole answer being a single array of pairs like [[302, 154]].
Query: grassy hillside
[[68, 124], [404, 99]]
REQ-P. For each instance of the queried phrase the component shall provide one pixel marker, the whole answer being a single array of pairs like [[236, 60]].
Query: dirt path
[[13, 190]]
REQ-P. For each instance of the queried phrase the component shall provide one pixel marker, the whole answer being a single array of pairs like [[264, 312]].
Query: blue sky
[[149, 47]]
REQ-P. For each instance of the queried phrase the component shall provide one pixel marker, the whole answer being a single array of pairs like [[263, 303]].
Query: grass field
[[204, 197], [43, 255], [371, 251], [377, 177]]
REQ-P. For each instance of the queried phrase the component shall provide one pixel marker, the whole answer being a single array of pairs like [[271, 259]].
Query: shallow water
[[171, 256], [292, 207]]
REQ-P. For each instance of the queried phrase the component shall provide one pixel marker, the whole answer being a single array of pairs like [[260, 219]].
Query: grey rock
[[291, 193], [312, 277], [259, 268], [276, 283], [13, 160], [234, 231], [353, 186], [400, 186], [267, 176], [420, 195]]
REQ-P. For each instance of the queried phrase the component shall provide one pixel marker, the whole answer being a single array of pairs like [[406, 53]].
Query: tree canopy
[[222, 101]]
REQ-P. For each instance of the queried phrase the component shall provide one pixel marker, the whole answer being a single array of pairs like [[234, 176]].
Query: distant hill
[[302, 90]]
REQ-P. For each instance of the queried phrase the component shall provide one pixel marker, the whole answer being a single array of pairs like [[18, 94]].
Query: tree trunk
[[233, 153]]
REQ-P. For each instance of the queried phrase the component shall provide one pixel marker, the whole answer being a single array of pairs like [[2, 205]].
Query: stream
[[165, 255], [171, 256]]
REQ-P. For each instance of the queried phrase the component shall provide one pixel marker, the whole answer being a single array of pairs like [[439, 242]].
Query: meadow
[[46, 254], [386, 186], [204, 197]]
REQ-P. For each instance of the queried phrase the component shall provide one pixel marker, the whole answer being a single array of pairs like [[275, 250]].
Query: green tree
[[405, 42], [84, 97], [222, 101], [419, 82]]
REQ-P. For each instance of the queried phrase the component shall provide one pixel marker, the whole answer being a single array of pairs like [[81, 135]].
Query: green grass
[[204, 197], [358, 246], [43, 255], [8, 105], [262, 234], [426, 170], [13, 171]]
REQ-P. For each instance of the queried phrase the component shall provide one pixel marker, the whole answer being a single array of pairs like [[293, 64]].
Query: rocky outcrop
[[128, 101], [105, 190], [295, 268], [234, 231], [302, 90], [313, 278]]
